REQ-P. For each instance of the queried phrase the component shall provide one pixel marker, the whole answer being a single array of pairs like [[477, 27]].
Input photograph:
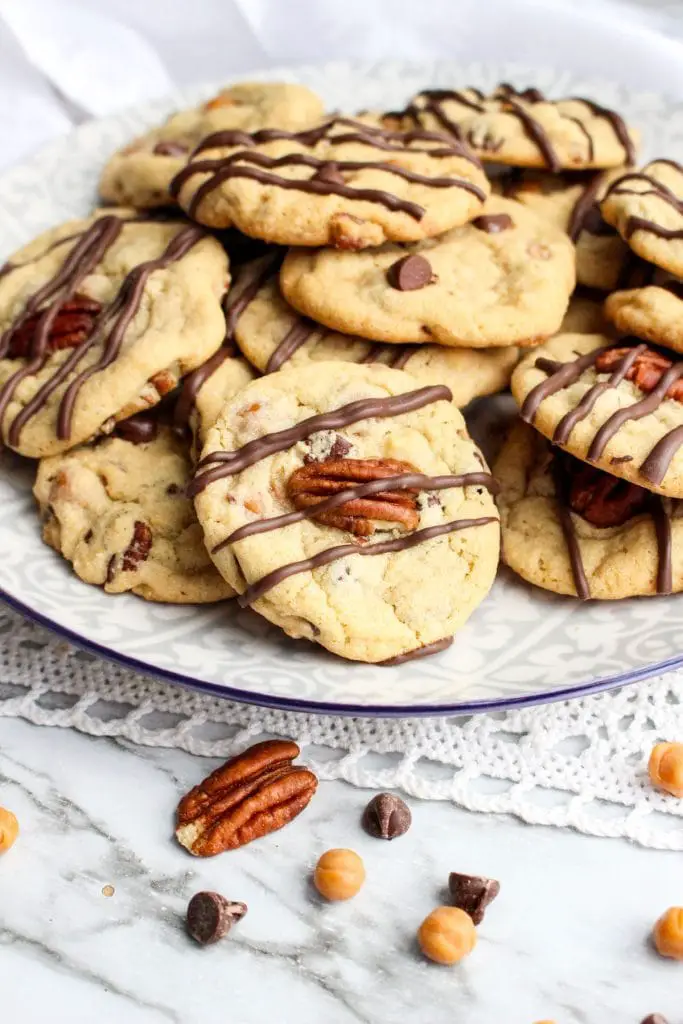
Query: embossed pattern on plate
[[521, 646]]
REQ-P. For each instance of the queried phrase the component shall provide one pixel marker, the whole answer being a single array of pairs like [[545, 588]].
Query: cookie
[[140, 174], [102, 323], [117, 511], [654, 313], [272, 335], [615, 404], [585, 314], [503, 279], [574, 529], [418, 503], [646, 208], [343, 183], [571, 203], [524, 129], [205, 391]]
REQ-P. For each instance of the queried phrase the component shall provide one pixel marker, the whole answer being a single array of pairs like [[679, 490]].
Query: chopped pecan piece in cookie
[[601, 499], [646, 371], [137, 551], [311, 484]]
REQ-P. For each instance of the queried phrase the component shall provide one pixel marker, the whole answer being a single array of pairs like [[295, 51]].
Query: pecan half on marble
[[604, 500], [72, 325], [646, 371], [316, 481], [250, 796]]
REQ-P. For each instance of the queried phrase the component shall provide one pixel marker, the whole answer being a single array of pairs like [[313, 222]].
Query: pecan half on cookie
[[311, 484], [601, 499], [646, 371], [253, 794], [70, 326]]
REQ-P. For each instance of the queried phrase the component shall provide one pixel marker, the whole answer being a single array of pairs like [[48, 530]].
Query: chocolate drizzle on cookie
[[255, 166], [563, 375], [585, 215], [654, 188], [624, 501], [221, 464], [109, 326], [249, 280], [518, 103]]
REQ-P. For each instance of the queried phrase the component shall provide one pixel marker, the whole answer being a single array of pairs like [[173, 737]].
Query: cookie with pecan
[[117, 510], [140, 174], [574, 529], [617, 405], [503, 279], [102, 322], [343, 183], [348, 505]]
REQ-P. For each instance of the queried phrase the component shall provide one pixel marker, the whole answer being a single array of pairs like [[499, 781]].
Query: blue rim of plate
[[348, 710]]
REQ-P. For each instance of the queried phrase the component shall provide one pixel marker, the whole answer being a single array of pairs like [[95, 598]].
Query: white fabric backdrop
[[103, 55]]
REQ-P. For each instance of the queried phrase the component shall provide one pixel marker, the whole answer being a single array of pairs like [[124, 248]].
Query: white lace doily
[[579, 764]]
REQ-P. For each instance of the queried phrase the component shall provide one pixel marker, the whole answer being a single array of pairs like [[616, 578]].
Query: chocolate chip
[[210, 916], [410, 273], [655, 1018], [340, 447], [472, 893], [330, 173], [170, 149], [493, 223], [595, 224], [386, 816]]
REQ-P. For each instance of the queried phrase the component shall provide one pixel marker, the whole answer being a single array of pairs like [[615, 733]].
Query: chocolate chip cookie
[[646, 208], [503, 279], [349, 506], [523, 128], [344, 183], [272, 335], [616, 404], [140, 174], [117, 510], [101, 323], [573, 529]]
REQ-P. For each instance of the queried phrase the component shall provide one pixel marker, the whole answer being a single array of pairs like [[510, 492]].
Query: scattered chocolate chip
[[330, 173], [210, 916], [472, 893], [410, 273], [386, 816], [170, 149], [655, 1018], [493, 223]]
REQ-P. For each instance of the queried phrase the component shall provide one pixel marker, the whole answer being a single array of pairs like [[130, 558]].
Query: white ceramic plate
[[522, 645]]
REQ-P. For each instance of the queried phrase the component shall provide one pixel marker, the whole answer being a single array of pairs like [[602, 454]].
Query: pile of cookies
[[244, 372]]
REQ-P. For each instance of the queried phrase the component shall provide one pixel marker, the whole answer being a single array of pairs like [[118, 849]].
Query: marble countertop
[[567, 939]]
